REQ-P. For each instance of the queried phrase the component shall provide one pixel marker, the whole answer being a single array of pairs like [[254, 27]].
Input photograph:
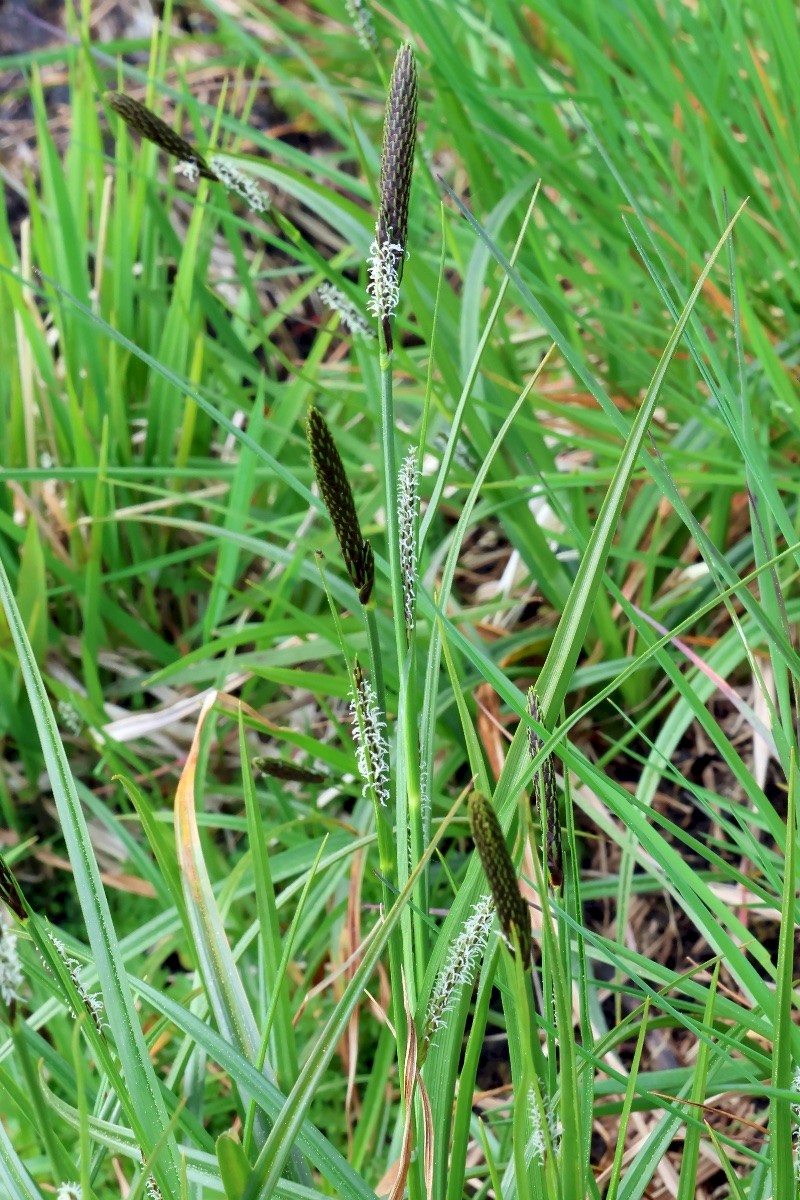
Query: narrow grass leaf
[[785, 1055], [14, 1175], [141, 1082], [234, 1166], [690, 1160], [272, 1159], [627, 1106], [282, 1038], [555, 675]]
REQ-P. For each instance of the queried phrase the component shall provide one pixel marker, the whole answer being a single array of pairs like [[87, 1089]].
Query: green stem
[[385, 833], [396, 849], [60, 1161], [410, 712], [390, 493], [527, 1068], [375, 661]]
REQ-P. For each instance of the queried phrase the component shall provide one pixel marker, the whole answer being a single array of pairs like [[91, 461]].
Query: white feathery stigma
[[372, 750], [534, 1151], [460, 966], [361, 17], [384, 281], [92, 1001], [537, 1142], [234, 180], [10, 966], [70, 717], [189, 170], [335, 299], [425, 800], [407, 502]]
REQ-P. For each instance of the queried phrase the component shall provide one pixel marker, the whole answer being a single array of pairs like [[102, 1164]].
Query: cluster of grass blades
[[256, 653]]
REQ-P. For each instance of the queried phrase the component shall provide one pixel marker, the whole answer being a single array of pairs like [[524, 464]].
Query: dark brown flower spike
[[545, 797], [512, 911], [397, 157], [387, 253], [335, 490], [155, 130], [276, 768]]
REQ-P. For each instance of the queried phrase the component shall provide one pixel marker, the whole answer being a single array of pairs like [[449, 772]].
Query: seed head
[[545, 798], [155, 130], [512, 911], [335, 490]]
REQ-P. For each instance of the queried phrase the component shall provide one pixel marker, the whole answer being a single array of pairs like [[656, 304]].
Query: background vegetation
[[601, 390]]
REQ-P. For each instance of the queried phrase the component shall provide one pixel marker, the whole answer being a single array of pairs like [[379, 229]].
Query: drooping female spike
[[337, 494], [151, 127], [512, 911], [545, 798]]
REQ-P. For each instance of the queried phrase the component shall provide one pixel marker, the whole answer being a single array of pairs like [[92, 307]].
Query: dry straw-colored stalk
[[545, 798], [512, 911], [151, 127], [335, 490]]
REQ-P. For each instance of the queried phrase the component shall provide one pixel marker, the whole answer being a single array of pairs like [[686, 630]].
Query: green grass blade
[[555, 674], [140, 1077], [785, 1052]]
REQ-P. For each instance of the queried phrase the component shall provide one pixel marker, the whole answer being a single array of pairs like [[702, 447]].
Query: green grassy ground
[[594, 365]]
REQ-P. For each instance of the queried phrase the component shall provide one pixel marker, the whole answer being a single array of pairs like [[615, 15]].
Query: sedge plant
[[551, 431]]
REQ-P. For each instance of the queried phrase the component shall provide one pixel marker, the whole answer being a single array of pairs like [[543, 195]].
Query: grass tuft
[[564, 482]]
